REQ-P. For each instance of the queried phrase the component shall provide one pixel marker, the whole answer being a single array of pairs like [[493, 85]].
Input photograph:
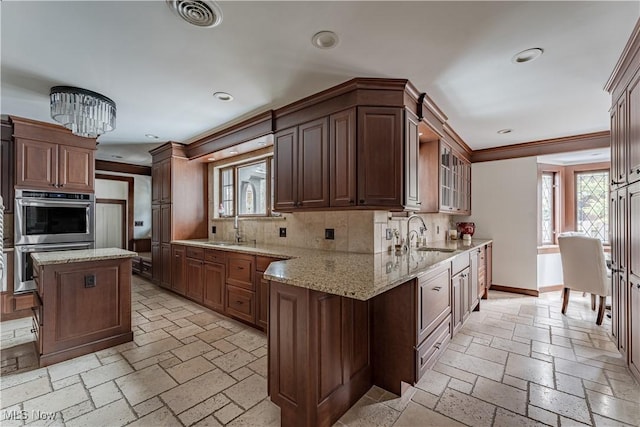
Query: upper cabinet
[[161, 182], [50, 157], [633, 167]]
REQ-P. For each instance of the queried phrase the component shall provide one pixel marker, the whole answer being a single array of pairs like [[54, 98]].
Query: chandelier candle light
[[85, 113]]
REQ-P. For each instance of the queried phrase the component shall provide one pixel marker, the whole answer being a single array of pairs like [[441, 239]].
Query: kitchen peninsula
[[341, 322], [83, 302]]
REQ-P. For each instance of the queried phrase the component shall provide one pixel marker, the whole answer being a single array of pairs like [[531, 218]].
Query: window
[[592, 204], [548, 208], [246, 189]]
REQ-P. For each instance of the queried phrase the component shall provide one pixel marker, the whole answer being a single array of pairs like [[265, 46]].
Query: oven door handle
[[51, 247], [38, 204]]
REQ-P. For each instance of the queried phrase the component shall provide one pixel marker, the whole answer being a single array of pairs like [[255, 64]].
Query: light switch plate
[[283, 232], [389, 234]]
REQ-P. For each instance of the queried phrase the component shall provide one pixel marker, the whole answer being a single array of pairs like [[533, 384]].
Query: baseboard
[[550, 288], [530, 292]]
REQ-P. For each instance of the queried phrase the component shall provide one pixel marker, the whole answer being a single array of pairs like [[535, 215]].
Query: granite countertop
[[81, 255], [354, 275]]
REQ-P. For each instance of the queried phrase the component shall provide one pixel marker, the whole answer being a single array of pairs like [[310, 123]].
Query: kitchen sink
[[428, 249], [232, 243]]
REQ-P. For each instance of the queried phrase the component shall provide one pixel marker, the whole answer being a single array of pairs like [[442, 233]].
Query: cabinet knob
[[33, 330], [437, 288], [362, 202]]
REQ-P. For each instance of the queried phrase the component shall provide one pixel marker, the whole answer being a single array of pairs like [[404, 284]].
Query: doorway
[[111, 223]]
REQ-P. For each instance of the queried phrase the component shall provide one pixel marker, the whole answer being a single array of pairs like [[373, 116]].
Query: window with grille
[[592, 204], [246, 189], [548, 208]]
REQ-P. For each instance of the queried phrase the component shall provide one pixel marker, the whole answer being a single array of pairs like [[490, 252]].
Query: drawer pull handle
[[437, 288], [33, 330], [239, 268]]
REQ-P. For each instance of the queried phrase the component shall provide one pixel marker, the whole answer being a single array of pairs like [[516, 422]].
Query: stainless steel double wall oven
[[49, 221]]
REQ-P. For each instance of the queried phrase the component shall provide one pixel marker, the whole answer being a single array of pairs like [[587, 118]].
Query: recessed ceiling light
[[504, 131], [262, 142], [233, 152], [419, 133], [223, 96], [325, 40], [151, 136], [527, 55], [211, 159], [115, 156]]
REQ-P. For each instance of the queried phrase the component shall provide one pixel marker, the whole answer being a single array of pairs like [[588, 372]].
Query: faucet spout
[[422, 229]]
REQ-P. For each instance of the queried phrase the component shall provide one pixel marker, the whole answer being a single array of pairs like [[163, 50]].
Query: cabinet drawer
[[434, 302], [135, 265], [214, 256], [263, 262], [240, 271], [23, 302], [240, 303], [432, 347], [459, 263], [196, 253]]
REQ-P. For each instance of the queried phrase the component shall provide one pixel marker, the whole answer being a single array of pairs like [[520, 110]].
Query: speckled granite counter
[[358, 276], [82, 255]]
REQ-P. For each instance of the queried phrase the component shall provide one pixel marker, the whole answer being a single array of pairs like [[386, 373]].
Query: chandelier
[[85, 113]]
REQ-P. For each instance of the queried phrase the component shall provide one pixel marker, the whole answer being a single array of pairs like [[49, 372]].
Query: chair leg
[[601, 310], [565, 299], [593, 302]]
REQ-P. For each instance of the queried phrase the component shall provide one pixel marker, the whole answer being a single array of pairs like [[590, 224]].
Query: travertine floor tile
[[614, 408], [104, 394], [73, 366], [530, 369], [203, 409], [367, 412], [233, 360], [506, 418], [115, 414], [190, 369], [195, 391], [57, 400], [25, 391], [511, 346], [191, 350], [264, 414], [501, 395], [142, 385], [148, 406], [581, 370], [425, 399], [228, 413], [106, 373], [162, 417], [248, 340], [569, 384], [466, 409], [487, 353], [416, 415], [473, 364], [248, 392], [561, 403]]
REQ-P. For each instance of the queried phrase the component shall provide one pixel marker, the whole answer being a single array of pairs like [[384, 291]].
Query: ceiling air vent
[[201, 13]]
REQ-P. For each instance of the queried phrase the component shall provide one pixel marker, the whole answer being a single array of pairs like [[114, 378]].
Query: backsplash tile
[[355, 231]]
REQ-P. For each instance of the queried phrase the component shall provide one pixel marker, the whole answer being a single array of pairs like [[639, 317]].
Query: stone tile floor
[[517, 362]]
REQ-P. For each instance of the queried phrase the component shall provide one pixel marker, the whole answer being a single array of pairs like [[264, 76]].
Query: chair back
[[583, 264]]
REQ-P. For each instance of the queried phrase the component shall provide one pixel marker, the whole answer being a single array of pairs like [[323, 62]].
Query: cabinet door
[[474, 273], [411, 161], [214, 274], [76, 168], [342, 158], [456, 302], [156, 184], [380, 156], [464, 293], [178, 269], [621, 143], [165, 181], [446, 202], [285, 155], [240, 270], [434, 301], [156, 263], [194, 276], [489, 266], [633, 172], [7, 167], [165, 265], [634, 325], [36, 164], [262, 309], [313, 164], [165, 223], [155, 223], [633, 243]]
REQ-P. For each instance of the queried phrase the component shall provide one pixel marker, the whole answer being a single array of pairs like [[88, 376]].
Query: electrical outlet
[[388, 234], [138, 223], [213, 229], [283, 232], [329, 233], [437, 229], [90, 281]]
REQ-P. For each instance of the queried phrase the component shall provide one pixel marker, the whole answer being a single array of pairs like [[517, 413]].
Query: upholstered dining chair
[[584, 269]]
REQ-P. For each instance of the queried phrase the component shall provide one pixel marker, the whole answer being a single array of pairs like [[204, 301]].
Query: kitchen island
[[83, 302]]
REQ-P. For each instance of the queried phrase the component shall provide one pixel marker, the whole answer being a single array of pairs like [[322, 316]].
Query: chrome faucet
[[422, 229]]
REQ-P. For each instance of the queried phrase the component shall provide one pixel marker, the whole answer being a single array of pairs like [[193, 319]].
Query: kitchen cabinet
[[194, 273], [301, 161], [365, 157], [262, 292], [460, 284], [445, 177], [633, 277], [619, 257], [176, 213], [619, 142], [7, 166], [14, 306], [633, 147], [412, 325], [178, 257], [214, 288], [45, 165]]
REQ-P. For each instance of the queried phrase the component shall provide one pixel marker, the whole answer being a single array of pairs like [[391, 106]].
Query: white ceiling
[[161, 72], [577, 157]]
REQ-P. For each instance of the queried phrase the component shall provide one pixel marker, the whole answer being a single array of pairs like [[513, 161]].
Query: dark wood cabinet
[[240, 303], [380, 156], [633, 277], [434, 301], [301, 159], [7, 166], [619, 257], [461, 296], [620, 142], [214, 287], [262, 297], [633, 147], [46, 165], [240, 270], [156, 269], [178, 257], [412, 162], [161, 181], [155, 223], [194, 275], [319, 354], [342, 158]]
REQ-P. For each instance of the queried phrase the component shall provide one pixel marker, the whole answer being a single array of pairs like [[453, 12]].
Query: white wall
[[107, 189], [549, 270], [504, 208]]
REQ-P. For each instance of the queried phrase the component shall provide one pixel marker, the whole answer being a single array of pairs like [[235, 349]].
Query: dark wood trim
[[130, 198], [247, 130], [168, 150], [550, 288], [627, 56], [41, 131], [124, 215], [546, 146], [569, 189], [461, 145], [558, 200], [107, 166], [530, 292]]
